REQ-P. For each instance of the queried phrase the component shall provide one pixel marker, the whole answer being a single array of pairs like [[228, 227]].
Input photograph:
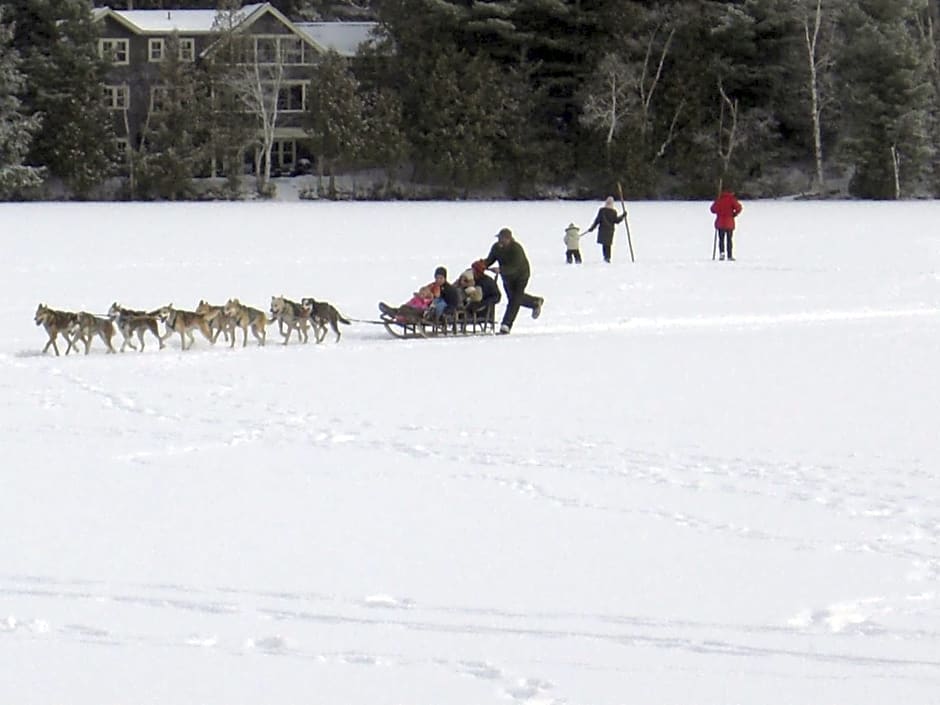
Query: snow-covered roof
[[166, 21], [342, 37]]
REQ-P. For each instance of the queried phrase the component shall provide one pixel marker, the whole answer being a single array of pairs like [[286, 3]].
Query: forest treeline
[[669, 97]]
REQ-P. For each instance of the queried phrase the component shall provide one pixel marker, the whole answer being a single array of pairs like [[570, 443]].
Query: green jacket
[[513, 264]]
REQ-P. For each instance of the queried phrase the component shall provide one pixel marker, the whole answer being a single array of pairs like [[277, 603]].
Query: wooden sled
[[461, 323]]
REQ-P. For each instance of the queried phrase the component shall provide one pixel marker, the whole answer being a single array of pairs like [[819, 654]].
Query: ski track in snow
[[282, 612]]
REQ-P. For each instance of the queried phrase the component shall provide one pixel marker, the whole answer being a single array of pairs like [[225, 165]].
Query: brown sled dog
[[245, 317], [86, 326], [184, 323], [322, 314], [56, 323], [219, 322]]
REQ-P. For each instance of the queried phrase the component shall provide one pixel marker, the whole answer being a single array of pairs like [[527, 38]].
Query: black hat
[[442, 271], [504, 232]]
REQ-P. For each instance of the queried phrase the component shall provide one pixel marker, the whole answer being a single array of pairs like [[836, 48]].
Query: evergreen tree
[[334, 113], [384, 142], [59, 44], [885, 94], [465, 111], [175, 139], [16, 127]]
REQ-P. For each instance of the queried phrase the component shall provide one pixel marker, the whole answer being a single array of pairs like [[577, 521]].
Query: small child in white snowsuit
[[573, 243]]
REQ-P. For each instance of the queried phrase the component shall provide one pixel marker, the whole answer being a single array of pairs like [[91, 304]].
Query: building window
[[155, 50], [266, 50], [187, 49], [159, 98], [292, 50], [121, 147], [116, 97], [113, 50], [292, 97]]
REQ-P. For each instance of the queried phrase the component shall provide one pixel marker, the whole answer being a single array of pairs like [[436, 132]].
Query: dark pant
[[724, 235], [515, 293], [605, 249], [573, 256]]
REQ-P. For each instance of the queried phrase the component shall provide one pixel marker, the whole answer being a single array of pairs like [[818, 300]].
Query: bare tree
[[257, 86], [817, 18], [608, 102], [252, 73], [727, 130]]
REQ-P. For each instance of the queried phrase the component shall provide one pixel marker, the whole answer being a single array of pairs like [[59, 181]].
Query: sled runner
[[461, 323]]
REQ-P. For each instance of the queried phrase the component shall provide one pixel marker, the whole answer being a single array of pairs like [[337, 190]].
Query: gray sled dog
[[245, 317], [86, 326], [290, 316], [322, 314], [56, 323], [131, 322], [184, 323]]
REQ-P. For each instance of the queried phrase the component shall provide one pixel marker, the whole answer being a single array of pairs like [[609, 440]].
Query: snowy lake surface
[[687, 482]]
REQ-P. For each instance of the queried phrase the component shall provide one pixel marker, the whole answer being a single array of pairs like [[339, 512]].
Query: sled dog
[[130, 322], [218, 321], [86, 326], [56, 323], [245, 317], [322, 314], [184, 322], [290, 316]]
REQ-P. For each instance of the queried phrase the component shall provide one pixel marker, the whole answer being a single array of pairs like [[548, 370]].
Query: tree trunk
[[896, 169], [812, 43]]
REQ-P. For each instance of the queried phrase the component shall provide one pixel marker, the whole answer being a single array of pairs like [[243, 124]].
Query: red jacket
[[726, 207]]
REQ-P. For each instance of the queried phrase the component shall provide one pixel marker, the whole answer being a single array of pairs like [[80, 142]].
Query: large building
[[136, 41]]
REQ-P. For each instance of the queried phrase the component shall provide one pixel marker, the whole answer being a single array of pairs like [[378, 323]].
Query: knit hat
[[440, 271]]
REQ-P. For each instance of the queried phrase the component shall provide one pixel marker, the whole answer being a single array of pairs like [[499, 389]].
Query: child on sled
[[412, 310]]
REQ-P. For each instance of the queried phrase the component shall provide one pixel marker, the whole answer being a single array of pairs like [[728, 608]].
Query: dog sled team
[[212, 321], [436, 307]]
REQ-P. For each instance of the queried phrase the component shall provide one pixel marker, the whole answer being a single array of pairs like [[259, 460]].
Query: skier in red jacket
[[726, 207]]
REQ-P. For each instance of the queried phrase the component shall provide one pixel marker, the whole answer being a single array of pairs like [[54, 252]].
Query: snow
[[166, 21], [688, 481]]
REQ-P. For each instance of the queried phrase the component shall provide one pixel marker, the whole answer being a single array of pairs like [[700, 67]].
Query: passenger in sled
[[413, 310]]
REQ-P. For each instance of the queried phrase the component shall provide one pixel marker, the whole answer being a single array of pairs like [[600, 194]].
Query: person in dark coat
[[726, 208], [514, 270], [607, 218], [449, 299], [486, 284]]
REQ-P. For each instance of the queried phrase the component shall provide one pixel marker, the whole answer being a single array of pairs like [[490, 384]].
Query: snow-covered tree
[[334, 118], [16, 127], [58, 41], [175, 136], [885, 95]]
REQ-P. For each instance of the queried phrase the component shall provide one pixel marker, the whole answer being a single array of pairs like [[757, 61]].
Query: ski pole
[[715, 245], [626, 224]]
